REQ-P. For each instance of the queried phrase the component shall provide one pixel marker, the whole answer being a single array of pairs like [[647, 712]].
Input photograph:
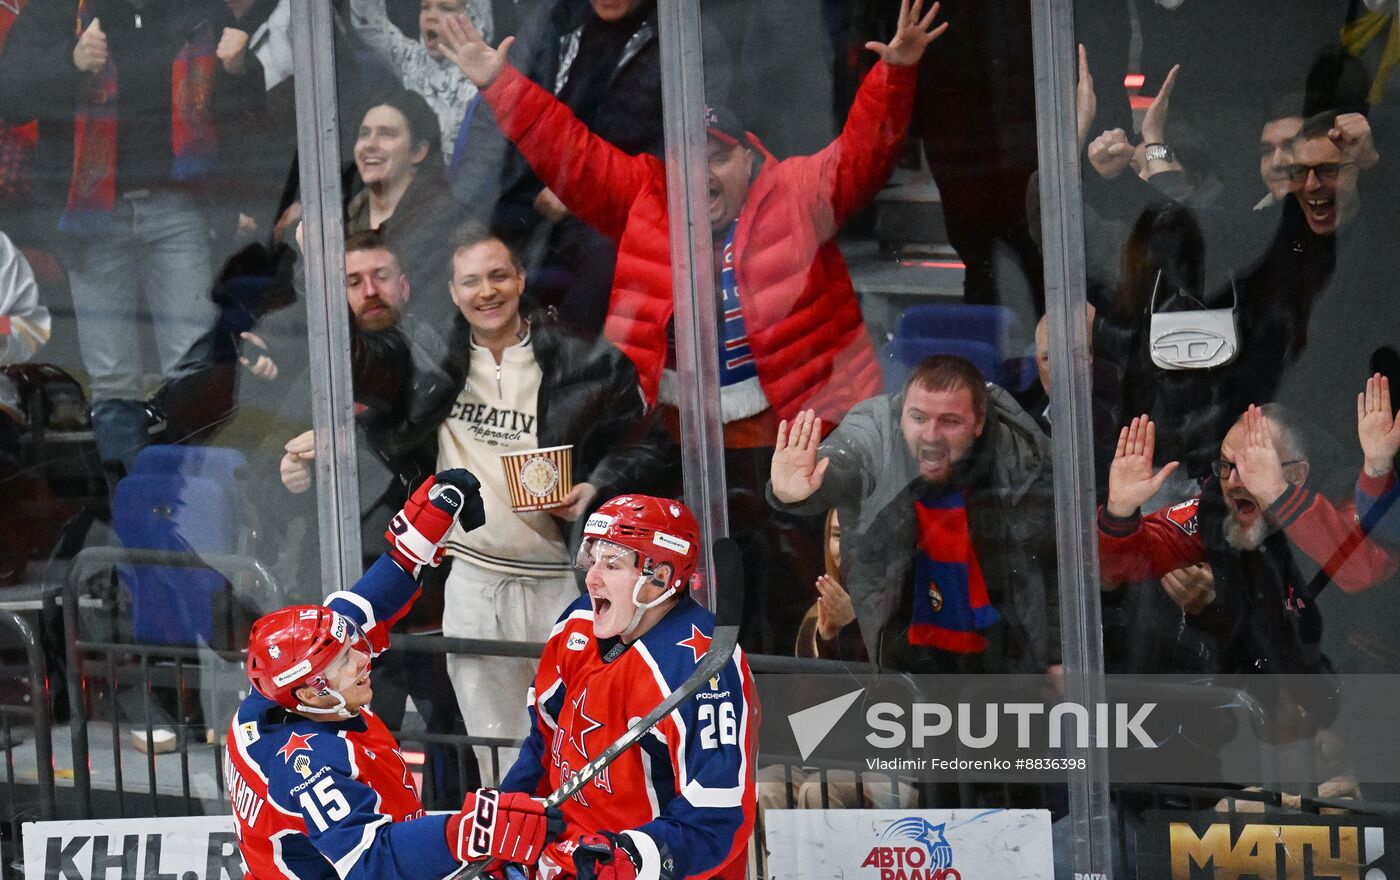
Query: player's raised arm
[[416, 537]]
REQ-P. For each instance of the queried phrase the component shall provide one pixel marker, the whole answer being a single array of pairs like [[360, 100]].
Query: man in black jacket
[[522, 384]]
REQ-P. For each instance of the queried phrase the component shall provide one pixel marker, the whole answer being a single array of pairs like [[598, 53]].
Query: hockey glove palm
[[416, 533], [510, 826]]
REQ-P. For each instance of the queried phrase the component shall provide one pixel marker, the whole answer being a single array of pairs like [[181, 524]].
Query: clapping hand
[[911, 37], [1192, 588], [1130, 478], [1377, 427], [834, 608], [795, 472]]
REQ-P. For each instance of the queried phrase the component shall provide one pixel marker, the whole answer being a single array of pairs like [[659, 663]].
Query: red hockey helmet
[[293, 646], [658, 529]]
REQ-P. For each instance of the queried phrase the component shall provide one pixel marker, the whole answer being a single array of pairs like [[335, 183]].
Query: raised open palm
[[1131, 480], [795, 471]]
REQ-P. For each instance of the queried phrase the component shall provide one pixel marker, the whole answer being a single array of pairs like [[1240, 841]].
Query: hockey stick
[[729, 584]]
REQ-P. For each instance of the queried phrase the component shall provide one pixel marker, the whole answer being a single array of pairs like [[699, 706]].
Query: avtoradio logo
[[932, 859]]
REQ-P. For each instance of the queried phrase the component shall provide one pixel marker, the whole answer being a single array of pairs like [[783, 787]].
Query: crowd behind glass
[[508, 286]]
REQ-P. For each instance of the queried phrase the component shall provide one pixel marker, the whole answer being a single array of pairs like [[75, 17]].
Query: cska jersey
[[333, 799], [686, 789]]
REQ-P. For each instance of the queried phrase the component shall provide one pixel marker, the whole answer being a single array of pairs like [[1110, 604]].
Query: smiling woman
[[405, 195]]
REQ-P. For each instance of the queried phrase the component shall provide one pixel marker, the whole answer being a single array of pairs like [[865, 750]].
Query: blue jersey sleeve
[[379, 597], [315, 777], [711, 767]]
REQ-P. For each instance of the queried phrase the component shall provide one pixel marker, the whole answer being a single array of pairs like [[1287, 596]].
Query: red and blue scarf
[[92, 192], [950, 596]]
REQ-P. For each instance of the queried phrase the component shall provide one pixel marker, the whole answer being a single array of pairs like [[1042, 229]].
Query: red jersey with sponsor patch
[[688, 785], [334, 798]]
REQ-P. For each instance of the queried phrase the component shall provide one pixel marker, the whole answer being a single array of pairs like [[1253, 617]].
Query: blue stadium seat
[[179, 498]]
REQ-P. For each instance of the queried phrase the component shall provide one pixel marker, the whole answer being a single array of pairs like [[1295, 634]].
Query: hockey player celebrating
[[681, 803], [318, 786]]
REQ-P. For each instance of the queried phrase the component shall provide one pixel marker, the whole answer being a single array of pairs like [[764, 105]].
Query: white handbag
[[1196, 339]]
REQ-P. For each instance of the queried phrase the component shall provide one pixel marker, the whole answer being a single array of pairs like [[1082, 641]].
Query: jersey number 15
[[337, 807]]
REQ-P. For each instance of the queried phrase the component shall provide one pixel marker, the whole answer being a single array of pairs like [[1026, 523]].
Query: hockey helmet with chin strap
[[660, 531], [293, 647]]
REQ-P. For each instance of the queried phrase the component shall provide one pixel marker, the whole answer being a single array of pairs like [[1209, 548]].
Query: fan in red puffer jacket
[[775, 219]]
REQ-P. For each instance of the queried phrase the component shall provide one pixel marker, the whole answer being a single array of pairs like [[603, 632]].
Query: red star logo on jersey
[[297, 742], [579, 736], [698, 643]]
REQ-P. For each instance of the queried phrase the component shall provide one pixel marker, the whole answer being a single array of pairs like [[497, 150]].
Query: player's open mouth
[[601, 606]]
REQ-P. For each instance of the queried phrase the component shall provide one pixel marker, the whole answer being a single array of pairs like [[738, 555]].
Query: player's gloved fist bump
[[510, 827], [416, 533], [606, 856]]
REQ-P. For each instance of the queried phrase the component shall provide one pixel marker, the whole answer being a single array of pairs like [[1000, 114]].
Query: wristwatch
[[1160, 152]]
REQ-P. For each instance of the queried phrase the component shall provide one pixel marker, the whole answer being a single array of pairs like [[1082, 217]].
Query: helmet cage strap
[[642, 607], [355, 640], [323, 689]]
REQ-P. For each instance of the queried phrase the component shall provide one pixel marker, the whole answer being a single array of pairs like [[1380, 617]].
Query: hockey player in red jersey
[[681, 802], [318, 786]]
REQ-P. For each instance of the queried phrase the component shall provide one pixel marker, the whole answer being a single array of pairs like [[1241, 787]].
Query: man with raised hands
[[1271, 543], [318, 786], [773, 224]]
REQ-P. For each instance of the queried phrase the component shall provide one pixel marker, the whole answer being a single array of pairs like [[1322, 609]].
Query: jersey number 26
[[718, 725]]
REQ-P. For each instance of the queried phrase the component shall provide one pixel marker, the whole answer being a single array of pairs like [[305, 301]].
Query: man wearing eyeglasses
[[1328, 157], [1338, 276], [1271, 544]]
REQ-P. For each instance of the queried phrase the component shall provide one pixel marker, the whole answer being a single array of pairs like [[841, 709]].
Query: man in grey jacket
[[947, 491]]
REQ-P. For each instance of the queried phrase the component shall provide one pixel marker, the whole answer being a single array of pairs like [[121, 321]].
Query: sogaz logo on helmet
[[670, 542], [598, 524]]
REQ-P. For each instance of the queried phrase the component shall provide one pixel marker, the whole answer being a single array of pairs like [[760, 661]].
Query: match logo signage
[[1219, 846]]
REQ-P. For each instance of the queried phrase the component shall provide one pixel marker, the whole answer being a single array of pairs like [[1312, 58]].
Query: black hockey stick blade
[[728, 584]]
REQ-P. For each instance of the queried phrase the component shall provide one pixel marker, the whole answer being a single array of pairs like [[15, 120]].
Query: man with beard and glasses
[[1271, 544], [945, 497]]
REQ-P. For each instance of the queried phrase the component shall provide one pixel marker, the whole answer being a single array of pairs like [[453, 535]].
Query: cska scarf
[[92, 192], [950, 596], [735, 357]]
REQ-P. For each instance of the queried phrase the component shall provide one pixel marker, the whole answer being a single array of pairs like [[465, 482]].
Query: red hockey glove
[[513, 827], [608, 856], [416, 533]]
